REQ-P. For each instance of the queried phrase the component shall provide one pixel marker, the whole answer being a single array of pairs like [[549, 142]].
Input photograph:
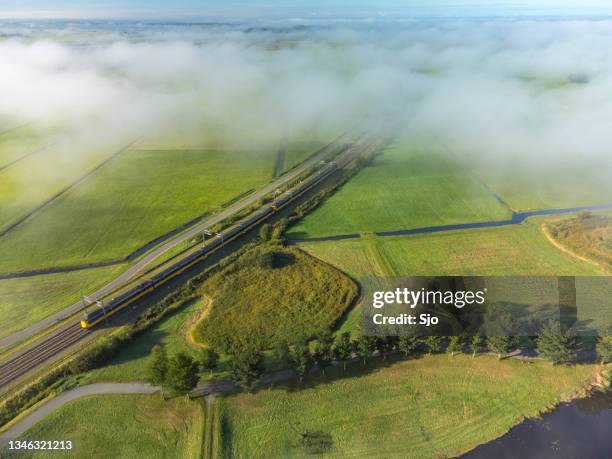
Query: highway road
[[198, 228]]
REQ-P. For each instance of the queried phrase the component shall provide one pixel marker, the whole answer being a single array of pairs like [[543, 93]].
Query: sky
[[232, 8]]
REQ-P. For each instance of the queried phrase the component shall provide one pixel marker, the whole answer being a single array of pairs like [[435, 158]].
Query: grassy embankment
[[275, 294], [126, 426], [301, 296], [587, 235], [409, 186], [431, 407]]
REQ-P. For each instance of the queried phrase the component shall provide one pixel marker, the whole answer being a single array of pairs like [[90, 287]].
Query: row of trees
[[181, 371]]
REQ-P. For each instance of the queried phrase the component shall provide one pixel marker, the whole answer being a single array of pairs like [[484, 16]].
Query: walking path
[[31, 419]]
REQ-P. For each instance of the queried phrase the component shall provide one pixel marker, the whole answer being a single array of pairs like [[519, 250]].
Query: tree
[[477, 344], [279, 228], [282, 353], [604, 349], [455, 344], [246, 365], [556, 346], [209, 360], [182, 375], [500, 344], [433, 343], [159, 365], [407, 344], [323, 350], [343, 348], [301, 358], [265, 232], [387, 344], [365, 346]]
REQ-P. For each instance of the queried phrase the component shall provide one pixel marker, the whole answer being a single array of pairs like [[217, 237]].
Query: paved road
[[195, 230], [26, 423]]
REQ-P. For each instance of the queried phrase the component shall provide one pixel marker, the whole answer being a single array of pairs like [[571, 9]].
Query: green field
[[526, 185], [137, 197], [126, 426], [511, 250], [32, 181], [300, 150], [132, 362], [432, 407], [409, 186], [18, 142], [518, 250], [27, 300], [273, 293]]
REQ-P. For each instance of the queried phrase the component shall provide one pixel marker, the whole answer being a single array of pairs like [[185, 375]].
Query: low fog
[[496, 89]]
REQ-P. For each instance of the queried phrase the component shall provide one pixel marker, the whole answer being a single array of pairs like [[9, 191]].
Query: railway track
[[17, 366], [20, 364]]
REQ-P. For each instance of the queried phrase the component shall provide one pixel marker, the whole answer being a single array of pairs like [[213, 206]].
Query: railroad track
[[20, 364], [61, 340]]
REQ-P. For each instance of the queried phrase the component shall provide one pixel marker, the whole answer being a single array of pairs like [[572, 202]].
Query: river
[[581, 429]]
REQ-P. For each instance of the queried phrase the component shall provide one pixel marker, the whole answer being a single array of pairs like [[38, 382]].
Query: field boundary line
[[63, 191]]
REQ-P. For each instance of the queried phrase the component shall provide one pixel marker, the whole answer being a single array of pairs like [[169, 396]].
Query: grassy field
[[273, 293], [513, 250], [432, 407], [25, 301], [125, 426], [132, 363], [32, 181], [134, 199], [18, 142], [528, 186], [409, 186], [298, 151]]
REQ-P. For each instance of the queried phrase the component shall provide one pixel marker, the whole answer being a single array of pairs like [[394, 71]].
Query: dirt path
[[19, 428], [569, 252]]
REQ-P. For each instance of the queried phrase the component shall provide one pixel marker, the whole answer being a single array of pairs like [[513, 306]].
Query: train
[[91, 319]]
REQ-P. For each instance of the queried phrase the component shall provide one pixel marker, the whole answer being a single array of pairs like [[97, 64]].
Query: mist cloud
[[492, 88]]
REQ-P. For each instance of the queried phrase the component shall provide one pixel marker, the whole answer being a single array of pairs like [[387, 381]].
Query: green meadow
[[20, 141], [34, 180], [511, 250], [24, 301], [123, 426], [408, 186], [137, 197], [518, 250], [300, 150], [132, 362], [432, 407], [530, 185]]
